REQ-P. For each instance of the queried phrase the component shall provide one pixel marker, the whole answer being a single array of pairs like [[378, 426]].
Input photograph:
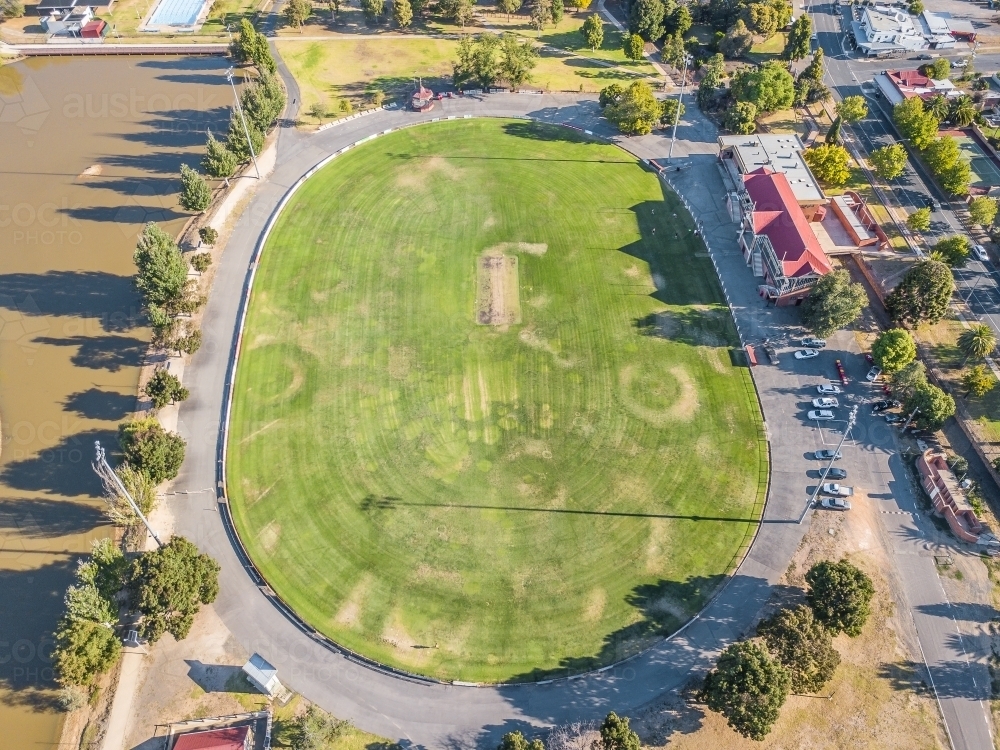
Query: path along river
[[90, 149]]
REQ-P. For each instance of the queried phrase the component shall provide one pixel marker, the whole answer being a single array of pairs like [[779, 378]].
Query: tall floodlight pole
[[847, 431], [680, 99], [909, 419], [229, 77], [105, 472]]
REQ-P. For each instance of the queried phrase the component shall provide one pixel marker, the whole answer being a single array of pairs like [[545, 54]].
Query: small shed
[[262, 675], [422, 99], [94, 30]]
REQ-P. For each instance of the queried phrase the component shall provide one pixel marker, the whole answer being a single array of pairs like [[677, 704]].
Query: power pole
[[680, 100], [229, 77], [105, 472], [909, 419], [852, 417]]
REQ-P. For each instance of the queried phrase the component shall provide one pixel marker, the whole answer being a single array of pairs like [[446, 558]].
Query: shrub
[[152, 450], [201, 261], [164, 388], [840, 595], [208, 235]]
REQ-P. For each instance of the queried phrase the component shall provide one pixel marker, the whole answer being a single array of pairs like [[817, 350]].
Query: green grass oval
[[491, 502]]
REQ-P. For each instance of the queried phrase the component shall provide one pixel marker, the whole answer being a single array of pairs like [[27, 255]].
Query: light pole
[[680, 99], [909, 419], [847, 430], [229, 77], [112, 480]]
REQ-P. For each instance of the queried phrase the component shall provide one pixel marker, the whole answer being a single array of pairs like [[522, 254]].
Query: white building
[[263, 676], [882, 30], [743, 154]]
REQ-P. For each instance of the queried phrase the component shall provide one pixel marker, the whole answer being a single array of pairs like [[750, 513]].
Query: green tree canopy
[[616, 734], [633, 46], [84, 650], [803, 646], [645, 18], [516, 60], [941, 154], [162, 272], [769, 87], [741, 118], [218, 161], [680, 20], [894, 349], [919, 220], [541, 13], [816, 69], [317, 730], [914, 122], [983, 211], [250, 46], [833, 134], [513, 6], [402, 13], [637, 111], [978, 381], [737, 41], [558, 9], [236, 139], [956, 178], [938, 106], [593, 31], [935, 406], [373, 10], [977, 342], [908, 379], [840, 595], [762, 19], [152, 450], [923, 294], [673, 50], [963, 111], [517, 741], [196, 195], [262, 101], [672, 109], [799, 42], [853, 108], [939, 69], [889, 162], [297, 12], [830, 162], [748, 687], [165, 387], [833, 303], [953, 250]]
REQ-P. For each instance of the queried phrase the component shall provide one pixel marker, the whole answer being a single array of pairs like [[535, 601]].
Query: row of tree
[[489, 59], [919, 124], [635, 110], [792, 651], [613, 734]]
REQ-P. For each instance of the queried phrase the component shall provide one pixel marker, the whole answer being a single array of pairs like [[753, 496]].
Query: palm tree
[[938, 106], [977, 341], [963, 111]]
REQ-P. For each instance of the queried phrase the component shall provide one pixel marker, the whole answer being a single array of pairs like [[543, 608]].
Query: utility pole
[[105, 472], [909, 419], [229, 77], [852, 417], [680, 100]]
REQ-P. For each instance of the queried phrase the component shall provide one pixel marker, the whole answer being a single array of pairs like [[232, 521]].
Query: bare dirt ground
[[876, 698], [498, 299]]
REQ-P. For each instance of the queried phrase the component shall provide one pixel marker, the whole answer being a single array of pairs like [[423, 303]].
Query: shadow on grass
[[539, 132]]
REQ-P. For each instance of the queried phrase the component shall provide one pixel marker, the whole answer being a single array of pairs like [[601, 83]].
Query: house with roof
[[249, 731], [742, 154], [881, 29], [899, 85], [227, 738]]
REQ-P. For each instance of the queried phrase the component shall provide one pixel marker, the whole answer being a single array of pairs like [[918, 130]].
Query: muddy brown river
[[90, 149]]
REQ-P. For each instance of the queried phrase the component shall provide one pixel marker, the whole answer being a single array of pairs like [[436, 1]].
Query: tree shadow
[[110, 353], [967, 611], [64, 469], [41, 518], [693, 326], [952, 679], [537, 131], [94, 403], [86, 294]]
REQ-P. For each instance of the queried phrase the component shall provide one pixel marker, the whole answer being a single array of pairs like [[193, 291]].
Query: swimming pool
[[176, 13]]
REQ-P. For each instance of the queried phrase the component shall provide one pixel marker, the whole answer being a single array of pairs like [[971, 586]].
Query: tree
[[516, 741], [633, 46], [201, 261], [637, 111], [297, 12], [983, 211], [402, 13], [162, 272], [610, 94], [592, 30], [977, 342], [923, 294], [164, 388], [316, 730], [250, 46], [893, 350], [645, 18], [374, 9], [236, 139], [680, 20], [919, 220], [963, 111], [935, 406], [840, 595], [713, 71], [262, 101], [11, 9], [737, 42], [478, 60], [939, 69], [741, 118], [941, 154], [186, 343], [218, 161], [769, 87], [673, 50], [953, 250], [799, 43], [978, 381], [906, 381], [816, 69], [196, 195], [617, 735], [169, 585], [914, 123], [541, 13], [150, 449], [516, 60], [938, 106], [511, 6], [672, 110], [558, 8], [956, 178], [916, 8], [853, 109], [334, 6], [830, 163], [762, 19], [833, 134], [803, 646], [748, 687], [889, 162], [84, 650], [833, 303], [117, 507]]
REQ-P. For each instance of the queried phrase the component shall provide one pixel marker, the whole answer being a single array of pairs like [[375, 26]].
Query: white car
[[813, 343], [873, 374], [837, 490], [835, 503], [828, 388], [960, 63], [980, 252], [821, 414], [825, 403], [806, 353]]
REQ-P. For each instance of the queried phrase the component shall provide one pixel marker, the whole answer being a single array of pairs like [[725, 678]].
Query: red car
[[841, 373], [869, 359]]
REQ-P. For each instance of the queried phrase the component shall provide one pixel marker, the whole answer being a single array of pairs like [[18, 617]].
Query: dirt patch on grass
[[401, 359], [498, 298], [595, 605], [406, 648], [531, 248], [270, 535], [683, 408], [350, 611]]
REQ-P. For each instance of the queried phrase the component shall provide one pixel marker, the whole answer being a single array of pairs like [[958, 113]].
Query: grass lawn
[[770, 49], [491, 502], [330, 70]]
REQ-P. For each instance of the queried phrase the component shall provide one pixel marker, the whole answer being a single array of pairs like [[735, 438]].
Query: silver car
[[822, 415], [837, 490], [828, 389], [835, 503], [825, 403]]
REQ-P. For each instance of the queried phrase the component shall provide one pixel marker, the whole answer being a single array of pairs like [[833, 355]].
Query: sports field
[[487, 423], [985, 173]]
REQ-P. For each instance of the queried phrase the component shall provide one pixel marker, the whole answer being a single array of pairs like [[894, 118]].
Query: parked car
[[771, 353], [960, 63], [828, 388], [883, 404], [813, 343], [806, 353], [826, 454], [835, 503], [980, 252], [926, 57], [821, 415], [838, 490], [932, 203], [825, 403], [893, 418], [835, 473], [873, 374], [841, 372]]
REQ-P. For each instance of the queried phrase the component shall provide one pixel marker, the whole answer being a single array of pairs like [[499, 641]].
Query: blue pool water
[[176, 12]]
